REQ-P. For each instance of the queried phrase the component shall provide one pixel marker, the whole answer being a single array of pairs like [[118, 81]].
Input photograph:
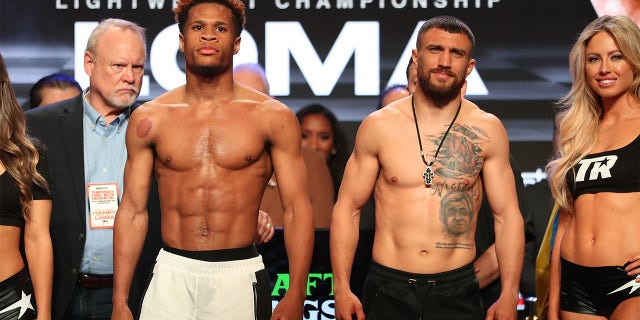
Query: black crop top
[[10, 209], [609, 171]]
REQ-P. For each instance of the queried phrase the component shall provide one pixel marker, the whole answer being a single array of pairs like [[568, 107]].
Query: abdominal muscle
[[417, 254], [409, 235], [209, 210], [604, 230]]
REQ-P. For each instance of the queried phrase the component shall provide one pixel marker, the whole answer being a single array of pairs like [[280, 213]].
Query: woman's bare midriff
[[604, 230], [9, 252]]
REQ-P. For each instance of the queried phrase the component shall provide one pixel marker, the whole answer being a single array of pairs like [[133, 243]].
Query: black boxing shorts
[[395, 294]]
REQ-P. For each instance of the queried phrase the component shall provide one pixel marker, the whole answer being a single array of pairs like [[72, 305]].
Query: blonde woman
[[596, 178], [25, 206]]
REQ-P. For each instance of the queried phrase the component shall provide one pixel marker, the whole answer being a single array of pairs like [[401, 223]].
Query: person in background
[[251, 75], [392, 93], [486, 262], [544, 215], [86, 153], [412, 76], [53, 88], [595, 179], [321, 192], [539, 196], [25, 211], [321, 132], [629, 8]]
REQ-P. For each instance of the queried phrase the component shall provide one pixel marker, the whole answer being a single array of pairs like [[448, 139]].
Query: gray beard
[[122, 104]]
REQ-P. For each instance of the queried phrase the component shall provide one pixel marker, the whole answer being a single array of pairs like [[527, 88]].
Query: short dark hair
[[236, 6], [449, 24], [56, 80]]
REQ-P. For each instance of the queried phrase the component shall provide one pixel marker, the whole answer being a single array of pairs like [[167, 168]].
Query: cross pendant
[[428, 177]]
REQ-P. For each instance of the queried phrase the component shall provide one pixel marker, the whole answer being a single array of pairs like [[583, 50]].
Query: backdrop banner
[[342, 53]]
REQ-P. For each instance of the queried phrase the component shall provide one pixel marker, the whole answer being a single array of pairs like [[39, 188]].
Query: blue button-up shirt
[[104, 158]]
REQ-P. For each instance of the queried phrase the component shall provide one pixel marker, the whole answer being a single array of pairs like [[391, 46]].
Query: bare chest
[[452, 162], [226, 142]]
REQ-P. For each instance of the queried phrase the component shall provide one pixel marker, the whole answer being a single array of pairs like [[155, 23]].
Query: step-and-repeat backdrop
[[339, 52], [342, 53]]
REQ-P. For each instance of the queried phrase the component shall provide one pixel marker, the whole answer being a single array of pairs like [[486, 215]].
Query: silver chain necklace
[[428, 174]]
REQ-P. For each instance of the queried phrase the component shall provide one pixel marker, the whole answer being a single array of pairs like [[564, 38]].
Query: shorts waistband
[[216, 255], [17, 279], [187, 264], [569, 266], [463, 272]]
